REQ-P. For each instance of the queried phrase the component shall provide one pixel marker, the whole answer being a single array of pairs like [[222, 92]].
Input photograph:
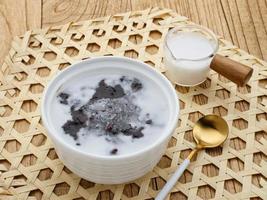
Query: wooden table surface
[[244, 22]]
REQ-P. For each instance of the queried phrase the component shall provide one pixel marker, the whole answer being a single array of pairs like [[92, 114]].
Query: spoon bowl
[[210, 131]]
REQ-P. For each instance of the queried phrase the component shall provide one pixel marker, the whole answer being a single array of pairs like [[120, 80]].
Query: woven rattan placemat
[[29, 167]]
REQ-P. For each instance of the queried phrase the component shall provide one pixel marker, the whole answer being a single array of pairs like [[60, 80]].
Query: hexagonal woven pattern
[[29, 166]]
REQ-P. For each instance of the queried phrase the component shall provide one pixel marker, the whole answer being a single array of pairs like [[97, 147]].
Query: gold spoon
[[209, 131]]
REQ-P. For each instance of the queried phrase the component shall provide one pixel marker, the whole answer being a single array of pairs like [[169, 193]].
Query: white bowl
[[110, 169]]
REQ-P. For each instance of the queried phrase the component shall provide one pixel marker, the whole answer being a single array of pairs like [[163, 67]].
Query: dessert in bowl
[[110, 118]]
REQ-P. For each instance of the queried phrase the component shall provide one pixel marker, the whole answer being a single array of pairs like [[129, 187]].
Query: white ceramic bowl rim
[[154, 72]]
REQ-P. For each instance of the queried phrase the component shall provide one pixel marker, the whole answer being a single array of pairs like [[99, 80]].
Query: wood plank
[[193, 10], [60, 12], [263, 9], [248, 27], [259, 26], [33, 14], [237, 29], [12, 22], [226, 15], [5, 35], [224, 25], [16, 17]]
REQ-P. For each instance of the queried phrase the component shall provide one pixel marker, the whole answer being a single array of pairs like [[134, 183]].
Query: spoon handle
[[172, 181]]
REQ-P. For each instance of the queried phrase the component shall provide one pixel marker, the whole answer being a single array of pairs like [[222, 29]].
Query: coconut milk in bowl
[[110, 118]]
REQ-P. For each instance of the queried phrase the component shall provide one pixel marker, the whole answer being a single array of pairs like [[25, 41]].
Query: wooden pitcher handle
[[232, 70]]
